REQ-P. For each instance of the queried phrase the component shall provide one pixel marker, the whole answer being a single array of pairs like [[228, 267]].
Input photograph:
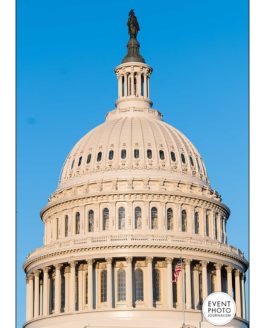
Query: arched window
[[196, 223], [73, 162], [121, 223], [215, 225], [139, 285], [207, 224], [169, 219], [136, 153], [154, 223], [111, 155], [88, 160], [156, 285], [173, 156], [183, 221], [191, 161], [77, 223], [183, 160], [99, 157], [66, 226], [149, 153], [137, 218], [106, 219], [80, 161], [161, 154], [121, 276], [123, 153], [103, 286], [91, 221]]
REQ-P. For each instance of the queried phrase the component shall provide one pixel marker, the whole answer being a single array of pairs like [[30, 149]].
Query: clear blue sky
[[66, 53]]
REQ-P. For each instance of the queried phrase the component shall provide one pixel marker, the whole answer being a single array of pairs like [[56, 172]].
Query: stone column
[[80, 287], [169, 283], [204, 280], [138, 93], [67, 283], [45, 291], [129, 282], [243, 295], [238, 293], [58, 288], [180, 289], [29, 298], [90, 284], [148, 86], [218, 287], [125, 85], [149, 261], [202, 220], [196, 286], [145, 86], [119, 86], [72, 287], [36, 293], [229, 280], [132, 83], [188, 283], [109, 282], [41, 297]]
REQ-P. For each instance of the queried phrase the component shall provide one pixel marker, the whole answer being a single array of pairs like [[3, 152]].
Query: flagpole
[[183, 292]]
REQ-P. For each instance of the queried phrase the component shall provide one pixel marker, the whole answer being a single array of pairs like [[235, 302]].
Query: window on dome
[[149, 153], [191, 161], [77, 223], [106, 219], [136, 153], [123, 153], [183, 159], [91, 221], [215, 225], [154, 223], [207, 224], [111, 155], [121, 277], [183, 221], [80, 161], [156, 285], [121, 223], [161, 154], [57, 228], [169, 219], [196, 223], [198, 164], [99, 157], [137, 218], [88, 160], [73, 162], [66, 226], [173, 156], [139, 285], [103, 286]]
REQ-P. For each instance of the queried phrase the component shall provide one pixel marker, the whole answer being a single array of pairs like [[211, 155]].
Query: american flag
[[178, 268]]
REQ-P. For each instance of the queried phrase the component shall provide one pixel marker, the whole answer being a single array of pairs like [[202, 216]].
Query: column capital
[[196, 267], [46, 269], [129, 259], [243, 275], [67, 269], [73, 264], [109, 260], [169, 260], [81, 267], [217, 266], [29, 276], [58, 266], [149, 259], [89, 261], [186, 261], [237, 273], [37, 273], [229, 269], [204, 264]]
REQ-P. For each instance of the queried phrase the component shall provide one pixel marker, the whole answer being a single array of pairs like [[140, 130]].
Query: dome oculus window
[[123, 153], [80, 161], [173, 156], [136, 153], [183, 159], [99, 157], [88, 160], [149, 153], [111, 155], [161, 154]]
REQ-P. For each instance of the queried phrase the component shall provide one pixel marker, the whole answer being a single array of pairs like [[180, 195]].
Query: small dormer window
[[123, 153], [111, 155], [161, 154], [99, 157], [191, 161], [149, 153], [136, 153], [173, 156], [183, 159], [88, 160], [80, 161], [73, 162]]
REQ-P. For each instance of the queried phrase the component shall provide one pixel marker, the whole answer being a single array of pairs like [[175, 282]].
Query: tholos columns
[[109, 282], [29, 313], [45, 291], [229, 280], [149, 281], [80, 287], [129, 282], [204, 280], [72, 287], [90, 284], [196, 286], [188, 283], [243, 295], [238, 293], [58, 288], [36, 293], [218, 287], [180, 291], [169, 283]]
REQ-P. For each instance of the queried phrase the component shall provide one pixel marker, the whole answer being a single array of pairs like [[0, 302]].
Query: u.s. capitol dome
[[133, 200]]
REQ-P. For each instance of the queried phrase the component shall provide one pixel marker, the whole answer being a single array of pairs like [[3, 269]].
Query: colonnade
[[78, 285]]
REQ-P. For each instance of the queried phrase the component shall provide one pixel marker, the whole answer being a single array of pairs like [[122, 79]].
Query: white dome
[[134, 142]]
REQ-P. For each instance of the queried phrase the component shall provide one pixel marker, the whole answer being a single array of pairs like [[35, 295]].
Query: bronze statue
[[133, 26]]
